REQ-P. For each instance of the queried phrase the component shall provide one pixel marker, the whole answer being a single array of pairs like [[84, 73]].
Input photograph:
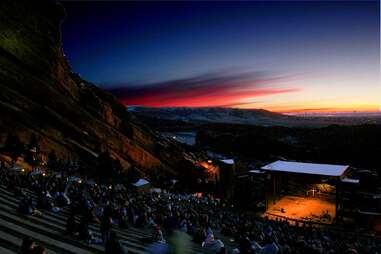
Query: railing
[[298, 222]]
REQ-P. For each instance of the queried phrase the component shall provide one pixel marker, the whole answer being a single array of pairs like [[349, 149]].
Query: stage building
[[226, 175], [300, 191]]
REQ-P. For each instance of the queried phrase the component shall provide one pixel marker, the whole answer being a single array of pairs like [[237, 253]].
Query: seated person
[[71, 225], [113, 245], [27, 246], [26, 206]]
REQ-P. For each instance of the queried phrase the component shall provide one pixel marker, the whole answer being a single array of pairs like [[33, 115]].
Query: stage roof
[[306, 168]]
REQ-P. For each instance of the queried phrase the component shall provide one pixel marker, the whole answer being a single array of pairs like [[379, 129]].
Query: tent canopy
[[228, 161], [306, 168], [141, 182]]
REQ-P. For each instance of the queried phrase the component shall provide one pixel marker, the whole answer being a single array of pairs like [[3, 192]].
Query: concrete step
[[6, 251], [50, 228], [57, 231], [52, 245], [62, 216], [11, 243], [59, 225]]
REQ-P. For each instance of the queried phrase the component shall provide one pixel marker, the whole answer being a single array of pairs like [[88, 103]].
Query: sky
[[285, 56]]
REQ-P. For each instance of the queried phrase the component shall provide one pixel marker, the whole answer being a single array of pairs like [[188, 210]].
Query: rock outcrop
[[40, 94]]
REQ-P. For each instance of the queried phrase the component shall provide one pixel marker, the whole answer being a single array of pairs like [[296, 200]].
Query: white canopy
[[228, 161], [306, 168], [141, 182]]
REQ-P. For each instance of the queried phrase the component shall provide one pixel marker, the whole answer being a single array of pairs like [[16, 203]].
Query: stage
[[303, 209]]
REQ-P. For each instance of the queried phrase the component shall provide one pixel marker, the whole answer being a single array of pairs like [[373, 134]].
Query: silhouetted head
[[27, 245], [39, 250]]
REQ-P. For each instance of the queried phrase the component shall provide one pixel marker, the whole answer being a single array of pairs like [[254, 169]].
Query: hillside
[[196, 116], [190, 117], [40, 94]]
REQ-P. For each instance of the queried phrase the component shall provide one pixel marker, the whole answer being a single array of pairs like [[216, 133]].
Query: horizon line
[[305, 111]]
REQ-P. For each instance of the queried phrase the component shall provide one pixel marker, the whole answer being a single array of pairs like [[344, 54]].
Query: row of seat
[[49, 230]]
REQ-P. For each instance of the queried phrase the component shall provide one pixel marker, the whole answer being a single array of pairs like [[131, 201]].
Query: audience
[[172, 216]]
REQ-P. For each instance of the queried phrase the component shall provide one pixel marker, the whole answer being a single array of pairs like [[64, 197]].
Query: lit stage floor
[[301, 208]]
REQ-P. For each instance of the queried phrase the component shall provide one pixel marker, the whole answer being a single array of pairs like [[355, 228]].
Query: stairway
[[49, 230]]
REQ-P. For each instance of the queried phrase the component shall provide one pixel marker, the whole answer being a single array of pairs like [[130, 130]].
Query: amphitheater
[[49, 230]]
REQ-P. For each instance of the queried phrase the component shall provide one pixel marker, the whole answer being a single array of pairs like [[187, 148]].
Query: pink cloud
[[215, 89]]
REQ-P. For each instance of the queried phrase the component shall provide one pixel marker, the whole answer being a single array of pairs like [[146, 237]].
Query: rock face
[[39, 94]]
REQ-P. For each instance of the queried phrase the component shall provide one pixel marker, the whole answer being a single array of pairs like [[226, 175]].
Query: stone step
[[47, 231], [45, 227], [12, 243], [51, 245], [53, 225], [47, 219], [62, 216], [6, 251], [60, 224]]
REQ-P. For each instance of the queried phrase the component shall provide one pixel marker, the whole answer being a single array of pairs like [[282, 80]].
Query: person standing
[[106, 222], [113, 245]]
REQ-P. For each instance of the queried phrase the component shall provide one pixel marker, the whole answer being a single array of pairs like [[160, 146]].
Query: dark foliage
[[358, 146]]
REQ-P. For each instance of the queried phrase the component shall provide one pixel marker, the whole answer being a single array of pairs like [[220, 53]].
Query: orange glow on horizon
[[293, 109], [317, 107], [360, 109]]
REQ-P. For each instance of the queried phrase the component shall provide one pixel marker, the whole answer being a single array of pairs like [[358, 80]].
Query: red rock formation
[[40, 95]]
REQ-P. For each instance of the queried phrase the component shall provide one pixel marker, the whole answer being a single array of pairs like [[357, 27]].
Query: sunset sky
[[283, 56]]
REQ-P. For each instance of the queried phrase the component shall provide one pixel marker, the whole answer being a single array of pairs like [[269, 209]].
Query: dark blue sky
[[307, 47]]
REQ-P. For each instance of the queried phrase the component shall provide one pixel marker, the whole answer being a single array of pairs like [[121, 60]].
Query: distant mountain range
[[250, 117]]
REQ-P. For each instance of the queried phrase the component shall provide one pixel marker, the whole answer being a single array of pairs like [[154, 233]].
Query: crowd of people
[[175, 220]]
